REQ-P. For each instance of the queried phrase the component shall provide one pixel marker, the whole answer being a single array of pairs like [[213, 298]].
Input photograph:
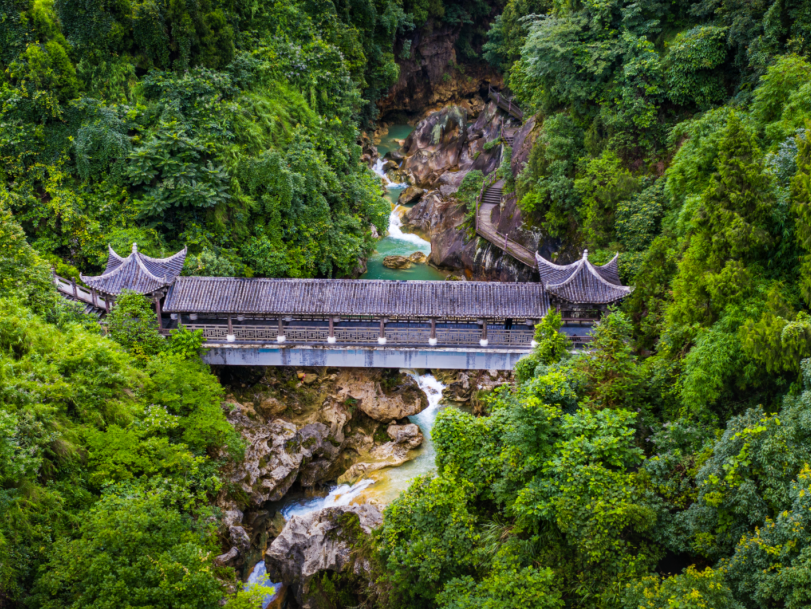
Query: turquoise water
[[397, 242]]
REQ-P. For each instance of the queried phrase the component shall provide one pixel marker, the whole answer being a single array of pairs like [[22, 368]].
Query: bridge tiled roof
[[415, 299], [582, 282], [136, 272]]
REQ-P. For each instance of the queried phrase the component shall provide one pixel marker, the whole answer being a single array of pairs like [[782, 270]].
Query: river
[[383, 486], [396, 242]]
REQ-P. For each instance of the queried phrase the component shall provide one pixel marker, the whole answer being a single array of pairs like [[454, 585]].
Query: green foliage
[[185, 343], [604, 184], [727, 229], [692, 589], [133, 324], [693, 67], [133, 542]]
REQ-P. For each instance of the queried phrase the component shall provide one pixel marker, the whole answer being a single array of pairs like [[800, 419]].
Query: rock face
[[442, 148], [308, 438], [428, 76], [438, 156], [443, 220], [318, 542]]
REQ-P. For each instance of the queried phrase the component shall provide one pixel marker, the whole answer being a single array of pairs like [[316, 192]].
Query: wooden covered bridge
[[345, 322]]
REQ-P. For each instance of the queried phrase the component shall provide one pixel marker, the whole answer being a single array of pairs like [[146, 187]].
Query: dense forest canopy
[[668, 467]]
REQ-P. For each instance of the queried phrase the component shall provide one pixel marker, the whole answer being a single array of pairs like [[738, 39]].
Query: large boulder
[[404, 438], [396, 262], [318, 542], [397, 402]]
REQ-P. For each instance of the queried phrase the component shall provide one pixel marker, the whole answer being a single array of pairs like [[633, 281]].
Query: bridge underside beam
[[362, 357]]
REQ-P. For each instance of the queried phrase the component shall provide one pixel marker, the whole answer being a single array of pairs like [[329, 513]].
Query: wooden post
[[381, 339], [331, 337], [158, 312], [106, 303], [94, 297], [280, 334], [505, 242], [432, 340], [230, 337], [483, 340], [75, 289]]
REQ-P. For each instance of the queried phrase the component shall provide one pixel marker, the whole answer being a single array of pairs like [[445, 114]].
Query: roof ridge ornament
[[585, 254], [134, 247]]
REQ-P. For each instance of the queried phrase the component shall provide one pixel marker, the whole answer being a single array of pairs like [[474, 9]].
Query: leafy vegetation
[[668, 467]]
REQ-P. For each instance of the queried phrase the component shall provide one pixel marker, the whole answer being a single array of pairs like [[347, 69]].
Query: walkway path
[[491, 198]]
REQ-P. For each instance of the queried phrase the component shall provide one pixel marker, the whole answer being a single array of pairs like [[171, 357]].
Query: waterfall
[[396, 232], [259, 576], [341, 495], [378, 169]]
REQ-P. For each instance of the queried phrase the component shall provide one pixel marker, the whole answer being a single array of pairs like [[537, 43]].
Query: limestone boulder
[[410, 195], [397, 402], [396, 262], [418, 258], [278, 452], [318, 542], [408, 435]]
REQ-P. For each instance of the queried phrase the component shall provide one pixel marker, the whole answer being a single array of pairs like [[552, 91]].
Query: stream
[[382, 486], [396, 242]]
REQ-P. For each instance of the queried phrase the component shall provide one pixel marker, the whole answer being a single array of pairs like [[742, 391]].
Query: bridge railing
[[71, 288], [394, 336]]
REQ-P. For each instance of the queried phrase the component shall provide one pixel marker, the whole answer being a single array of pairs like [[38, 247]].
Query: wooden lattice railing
[[394, 336]]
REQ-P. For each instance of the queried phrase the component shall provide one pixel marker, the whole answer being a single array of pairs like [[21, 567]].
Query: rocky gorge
[[434, 160], [306, 430]]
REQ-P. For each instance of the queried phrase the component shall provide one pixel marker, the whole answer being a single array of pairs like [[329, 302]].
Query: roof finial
[[134, 247], [585, 254]]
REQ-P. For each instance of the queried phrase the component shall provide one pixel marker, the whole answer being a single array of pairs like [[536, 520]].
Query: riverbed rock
[[404, 438], [408, 435], [394, 155], [318, 542], [276, 452], [410, 195], [390, 165], [418, 258], [396, 262], [400, 400]]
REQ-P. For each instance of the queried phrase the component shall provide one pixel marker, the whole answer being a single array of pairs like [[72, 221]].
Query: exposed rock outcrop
[[391, 454], [307, 438], [318, 542], [429, 73]]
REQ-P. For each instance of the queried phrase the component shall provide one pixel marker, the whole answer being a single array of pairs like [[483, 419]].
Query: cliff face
[[430, 75]]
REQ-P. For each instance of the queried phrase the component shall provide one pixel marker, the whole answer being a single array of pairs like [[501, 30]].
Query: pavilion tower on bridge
[[582, 290], [149, 276]]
